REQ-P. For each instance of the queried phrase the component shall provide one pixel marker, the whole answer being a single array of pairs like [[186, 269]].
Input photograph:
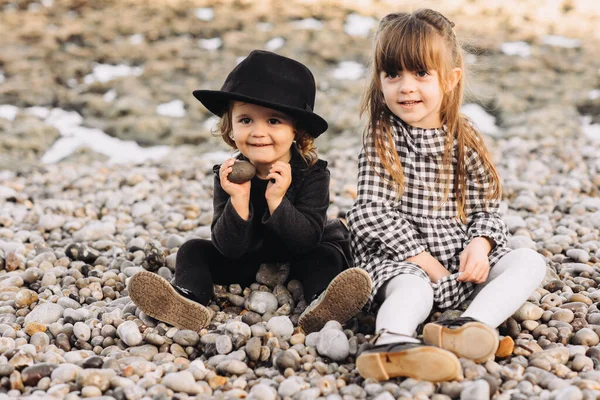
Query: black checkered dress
[[386, 230]]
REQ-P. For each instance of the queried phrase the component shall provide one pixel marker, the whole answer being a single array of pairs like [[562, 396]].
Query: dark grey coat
[[297, 226]]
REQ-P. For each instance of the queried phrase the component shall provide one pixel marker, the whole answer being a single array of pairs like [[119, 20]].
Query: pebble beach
[[106, 170]]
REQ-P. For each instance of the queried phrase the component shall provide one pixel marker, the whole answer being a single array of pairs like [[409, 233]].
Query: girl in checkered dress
[[425, 225]]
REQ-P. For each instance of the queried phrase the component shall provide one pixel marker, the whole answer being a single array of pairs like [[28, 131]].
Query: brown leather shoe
[[345, 296], [464, 336], [155, 296], [412, 360]]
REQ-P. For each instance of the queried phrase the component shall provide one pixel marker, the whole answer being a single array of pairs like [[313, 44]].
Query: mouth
[[259, 145], [410, 103]]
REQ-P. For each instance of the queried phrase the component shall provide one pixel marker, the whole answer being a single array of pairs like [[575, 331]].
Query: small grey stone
[[281, 326], [253, 348], [272, 274], [477, 390], [261, 302], [568, 393], [224, 345], [186, 337], [129, 333], [286, 359], [333, 344], [232, 367], [45, 313], [181, 382]]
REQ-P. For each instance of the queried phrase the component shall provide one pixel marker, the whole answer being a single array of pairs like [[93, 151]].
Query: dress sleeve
[[300, 224], [230, 233], [376, 225], [483, 219]]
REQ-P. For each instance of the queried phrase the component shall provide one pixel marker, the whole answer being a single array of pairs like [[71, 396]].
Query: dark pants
[[200, 265]]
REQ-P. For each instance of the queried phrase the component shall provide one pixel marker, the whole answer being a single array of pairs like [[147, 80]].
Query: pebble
[[129, 333]]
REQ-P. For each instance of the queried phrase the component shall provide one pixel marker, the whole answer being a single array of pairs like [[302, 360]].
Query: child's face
[[414, 97], [261, 134]]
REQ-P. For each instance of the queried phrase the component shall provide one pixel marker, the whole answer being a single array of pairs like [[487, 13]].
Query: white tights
[[408, 299]]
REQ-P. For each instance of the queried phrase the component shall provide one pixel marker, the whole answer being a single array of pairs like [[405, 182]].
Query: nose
[[260, 128], [407, 84]]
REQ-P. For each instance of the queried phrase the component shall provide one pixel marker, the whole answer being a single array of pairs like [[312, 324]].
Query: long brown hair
[[305, 143], [424, 41]]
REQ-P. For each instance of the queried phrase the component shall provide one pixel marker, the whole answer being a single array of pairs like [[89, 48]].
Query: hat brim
[[217, 101]]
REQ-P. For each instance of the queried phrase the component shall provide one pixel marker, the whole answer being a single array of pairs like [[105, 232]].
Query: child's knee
[[532, 262], [413, 284]]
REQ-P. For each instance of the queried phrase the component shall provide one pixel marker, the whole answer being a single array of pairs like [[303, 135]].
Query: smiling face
[[414, 97], [261, 134]]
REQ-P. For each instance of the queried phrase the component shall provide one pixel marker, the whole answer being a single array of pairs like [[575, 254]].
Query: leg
[[316, 269], [195, 260], [343, 292], [408, 302], [510, 283]]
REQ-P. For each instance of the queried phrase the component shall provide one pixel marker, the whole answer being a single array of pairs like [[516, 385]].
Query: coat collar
[[426, 142]]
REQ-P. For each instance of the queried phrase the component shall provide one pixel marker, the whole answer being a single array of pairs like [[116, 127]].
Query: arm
[[485, 228], [230, 233], [300, 225], [483, 218], [434, 269]]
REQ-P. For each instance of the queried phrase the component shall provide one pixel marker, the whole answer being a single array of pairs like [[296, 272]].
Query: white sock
[[408, 301]]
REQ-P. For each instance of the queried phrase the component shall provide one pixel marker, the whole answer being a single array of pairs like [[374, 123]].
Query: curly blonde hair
[[305, 143]]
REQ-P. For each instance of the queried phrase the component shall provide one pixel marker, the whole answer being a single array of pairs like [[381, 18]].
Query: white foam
[[594, 94], [522, 49], [590, 130], [205, 13], [211, 123], [309, 24], [75, 136], [106, 72], [40, 112], [485, 122], [138, 38], [110, 96], [349, 70], [173, 109], [561, 41], [275, 44], [210, 44], [358, 25], [8, 111]]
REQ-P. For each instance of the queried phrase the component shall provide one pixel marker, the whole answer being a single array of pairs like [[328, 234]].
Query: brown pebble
[[505, 348], [241, 171], [217, 381], [34, 327]]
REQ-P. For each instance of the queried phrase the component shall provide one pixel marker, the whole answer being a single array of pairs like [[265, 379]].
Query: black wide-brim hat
[[269, 80]]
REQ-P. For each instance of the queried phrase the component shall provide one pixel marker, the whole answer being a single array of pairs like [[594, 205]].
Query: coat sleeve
[[483, 218], [230, 233], [300, 224], [376, 225]]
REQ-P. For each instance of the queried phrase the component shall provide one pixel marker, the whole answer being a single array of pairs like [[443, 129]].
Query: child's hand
[[474, 261], [280, 175], [239, 192]]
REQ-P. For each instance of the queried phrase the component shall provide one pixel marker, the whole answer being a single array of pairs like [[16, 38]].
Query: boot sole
[[155, 296], [345, 296], [421, 363], [473, 340]]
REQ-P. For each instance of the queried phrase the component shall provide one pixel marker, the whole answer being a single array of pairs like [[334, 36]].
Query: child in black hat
[[280, 215]]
